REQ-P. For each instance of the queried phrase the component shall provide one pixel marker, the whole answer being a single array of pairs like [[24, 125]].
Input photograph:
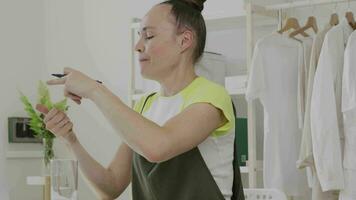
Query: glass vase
[[64, 179], [46, 171]]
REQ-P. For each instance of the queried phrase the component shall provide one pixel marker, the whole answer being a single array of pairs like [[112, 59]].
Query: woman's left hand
[[76, 84]]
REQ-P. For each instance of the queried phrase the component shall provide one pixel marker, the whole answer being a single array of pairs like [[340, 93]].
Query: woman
[[177, 143]]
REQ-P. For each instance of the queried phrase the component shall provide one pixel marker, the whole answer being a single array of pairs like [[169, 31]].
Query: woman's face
[[158, 46]]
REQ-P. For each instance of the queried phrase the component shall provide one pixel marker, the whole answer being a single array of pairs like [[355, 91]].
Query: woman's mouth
[[143, 60]]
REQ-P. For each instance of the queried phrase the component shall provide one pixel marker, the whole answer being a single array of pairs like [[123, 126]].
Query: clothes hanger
[[311, 23], [291, 23], [350, 17], [334, 19]]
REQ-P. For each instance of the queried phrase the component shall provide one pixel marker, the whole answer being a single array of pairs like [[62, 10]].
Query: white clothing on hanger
[[307, 43], [302, 78], [318, 194], [325, 111], [349, 76], [274, 80], [349, 111], [349, 192], [306, 150]]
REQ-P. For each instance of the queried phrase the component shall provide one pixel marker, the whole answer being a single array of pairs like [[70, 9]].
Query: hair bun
[[196, 4]]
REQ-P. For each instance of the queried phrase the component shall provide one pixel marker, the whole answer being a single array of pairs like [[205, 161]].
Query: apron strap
[[237, 189], [144, 103]]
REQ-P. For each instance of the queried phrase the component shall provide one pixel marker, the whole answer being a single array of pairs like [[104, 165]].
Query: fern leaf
[[43, 95], [36, 122], [62, 105]]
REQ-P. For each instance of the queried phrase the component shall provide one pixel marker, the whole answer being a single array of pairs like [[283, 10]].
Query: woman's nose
[[139, 47]]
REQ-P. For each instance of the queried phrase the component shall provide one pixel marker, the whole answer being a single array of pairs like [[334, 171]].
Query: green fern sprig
[[36, 119], [36, 122], [43, 96]]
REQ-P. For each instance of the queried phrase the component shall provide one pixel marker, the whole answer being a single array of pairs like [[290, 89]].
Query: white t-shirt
[[218, 149], [274, 80], [325, 110]]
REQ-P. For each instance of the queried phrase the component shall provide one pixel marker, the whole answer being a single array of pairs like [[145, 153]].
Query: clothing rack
[[275, 10], [307, 3]]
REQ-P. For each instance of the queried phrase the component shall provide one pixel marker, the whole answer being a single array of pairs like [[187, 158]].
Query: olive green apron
[[184, 177]]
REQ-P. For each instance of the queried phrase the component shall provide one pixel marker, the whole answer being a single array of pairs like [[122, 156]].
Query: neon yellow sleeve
[[219, 98], [138, 105]]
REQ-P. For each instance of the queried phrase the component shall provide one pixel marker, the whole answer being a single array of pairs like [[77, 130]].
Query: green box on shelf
[[241, 140]]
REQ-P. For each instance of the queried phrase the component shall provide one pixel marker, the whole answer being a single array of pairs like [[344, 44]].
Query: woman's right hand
[[58, 123]]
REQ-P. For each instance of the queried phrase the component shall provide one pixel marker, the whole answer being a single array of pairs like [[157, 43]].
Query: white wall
[[22, 53]]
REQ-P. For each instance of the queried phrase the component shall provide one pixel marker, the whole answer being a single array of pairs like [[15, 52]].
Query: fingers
[[71, 95], [61, 81], [58, 123], [42, 109], [67, 130], [55, 120], [50, 115], [58, 81], [62, 123], [68, 70], [63, 131], [77, 99], [63, 127]]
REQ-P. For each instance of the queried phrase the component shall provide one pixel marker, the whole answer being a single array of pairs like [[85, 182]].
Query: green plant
[[36, 118]]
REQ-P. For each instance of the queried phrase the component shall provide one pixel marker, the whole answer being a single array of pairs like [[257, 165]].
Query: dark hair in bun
[[197, 4], [187, 14]]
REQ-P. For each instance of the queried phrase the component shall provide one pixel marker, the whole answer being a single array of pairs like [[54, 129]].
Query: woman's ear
[[186, 40]]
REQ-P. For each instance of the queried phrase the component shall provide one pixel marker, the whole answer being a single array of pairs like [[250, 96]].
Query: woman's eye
[[149, 37]]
